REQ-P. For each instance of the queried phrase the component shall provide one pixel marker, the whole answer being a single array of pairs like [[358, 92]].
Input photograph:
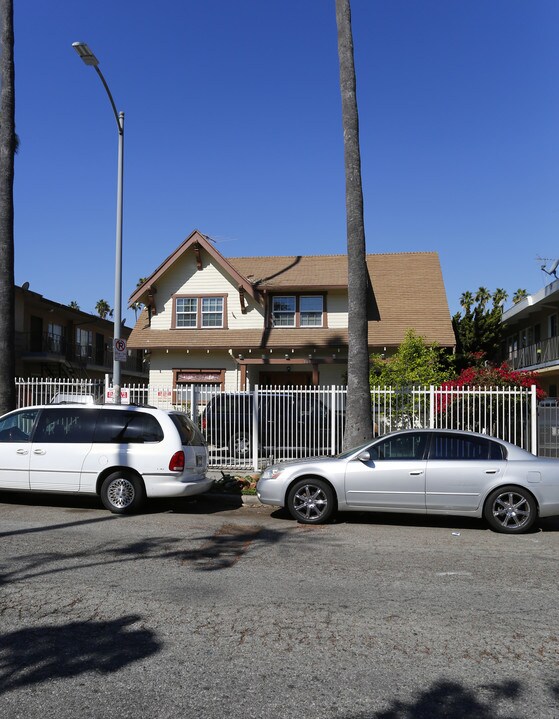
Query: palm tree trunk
[[7, 152], [358, 413]]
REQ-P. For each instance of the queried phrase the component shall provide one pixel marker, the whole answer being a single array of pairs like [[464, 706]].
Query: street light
[[89, 59]]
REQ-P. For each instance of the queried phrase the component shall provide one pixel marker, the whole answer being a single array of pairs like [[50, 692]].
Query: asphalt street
[[205, 609]]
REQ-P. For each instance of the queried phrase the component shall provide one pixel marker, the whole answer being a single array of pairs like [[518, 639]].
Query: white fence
[[246, 430]]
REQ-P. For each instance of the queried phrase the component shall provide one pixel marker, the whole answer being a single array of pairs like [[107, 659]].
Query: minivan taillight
[[177, 462]]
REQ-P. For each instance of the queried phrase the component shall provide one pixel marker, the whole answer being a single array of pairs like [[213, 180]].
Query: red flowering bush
[[501, 376], [494, 408]]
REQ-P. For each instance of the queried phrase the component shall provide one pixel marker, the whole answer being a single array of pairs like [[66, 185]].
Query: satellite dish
[[25, 286], [552, 270]]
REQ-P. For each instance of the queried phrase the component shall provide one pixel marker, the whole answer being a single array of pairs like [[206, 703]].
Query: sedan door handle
[[39, 451], [491, 471], [416, 472], [21, 451]]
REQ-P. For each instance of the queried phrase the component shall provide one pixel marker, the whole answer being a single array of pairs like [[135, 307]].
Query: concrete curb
[[247, 500]]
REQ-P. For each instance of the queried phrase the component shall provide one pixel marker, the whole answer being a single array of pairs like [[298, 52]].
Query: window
[[212, 311], [199, 312], [283, 311], [448, 446], [311, 311], [123, 426], [84, 342], [68, 425], [297, 311], [405, 446], [17, 427], [187, 311], [552, 325], [55, 337], [189, 433]]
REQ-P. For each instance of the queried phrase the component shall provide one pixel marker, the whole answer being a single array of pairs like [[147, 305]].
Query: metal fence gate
[[246, 430]]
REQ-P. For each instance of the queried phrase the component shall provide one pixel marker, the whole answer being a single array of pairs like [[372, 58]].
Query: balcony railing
[[540, 353], [58, 348]]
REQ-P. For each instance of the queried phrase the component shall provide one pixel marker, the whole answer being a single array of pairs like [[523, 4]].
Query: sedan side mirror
[[364, 456]]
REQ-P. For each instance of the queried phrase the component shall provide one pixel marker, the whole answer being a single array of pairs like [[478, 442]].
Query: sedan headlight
[[271, 472]]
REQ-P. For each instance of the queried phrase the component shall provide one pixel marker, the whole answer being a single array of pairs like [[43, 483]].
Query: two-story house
[[531, 330], [272, 321], [58, 341]]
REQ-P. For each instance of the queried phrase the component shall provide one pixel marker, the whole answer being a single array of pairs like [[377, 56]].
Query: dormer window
[[310, 311], [199, 312], [283, 311], [297, 311]]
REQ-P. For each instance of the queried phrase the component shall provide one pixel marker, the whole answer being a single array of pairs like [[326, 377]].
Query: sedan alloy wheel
[[511, 510]]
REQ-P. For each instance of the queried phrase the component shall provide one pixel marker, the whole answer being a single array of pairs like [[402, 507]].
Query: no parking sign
[[119, 349]]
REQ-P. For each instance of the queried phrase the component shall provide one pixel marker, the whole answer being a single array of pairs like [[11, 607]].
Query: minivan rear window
[[189, 433]]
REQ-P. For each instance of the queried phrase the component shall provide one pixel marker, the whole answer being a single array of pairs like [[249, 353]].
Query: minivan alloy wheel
[[122, 492]]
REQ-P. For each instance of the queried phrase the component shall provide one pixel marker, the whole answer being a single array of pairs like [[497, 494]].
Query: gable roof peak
[[195, 239]]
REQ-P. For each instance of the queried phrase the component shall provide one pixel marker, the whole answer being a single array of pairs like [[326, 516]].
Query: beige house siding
[[185, 279], [169, 362], [336, 305]]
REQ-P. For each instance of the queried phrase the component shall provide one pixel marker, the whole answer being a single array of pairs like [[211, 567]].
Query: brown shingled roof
[[408, 291]]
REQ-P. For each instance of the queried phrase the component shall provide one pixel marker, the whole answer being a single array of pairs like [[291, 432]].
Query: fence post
[[255, 428], [333, 423], [431, 406], [534, 420]]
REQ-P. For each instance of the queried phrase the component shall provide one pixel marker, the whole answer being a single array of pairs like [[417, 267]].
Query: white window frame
[[296, 317], [206, 314], [285, 312], [310, 313], [182, 314], [203, 312]]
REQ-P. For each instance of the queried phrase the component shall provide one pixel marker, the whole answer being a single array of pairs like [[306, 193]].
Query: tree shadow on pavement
[[40, 654], [446, 699], [206, 553]]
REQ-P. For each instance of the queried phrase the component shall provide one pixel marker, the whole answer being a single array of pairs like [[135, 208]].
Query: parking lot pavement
[[203, 608]]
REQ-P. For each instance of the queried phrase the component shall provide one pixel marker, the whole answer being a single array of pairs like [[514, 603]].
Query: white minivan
[[123, 453]]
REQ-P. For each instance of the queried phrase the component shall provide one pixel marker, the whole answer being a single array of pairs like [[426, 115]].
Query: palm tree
[[499, 297], [466, 301], [74, 305], [482, 298], [358, 413], [518, 296], [8, 146], [103, 309]]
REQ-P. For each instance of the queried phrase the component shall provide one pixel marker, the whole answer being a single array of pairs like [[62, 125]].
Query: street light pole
[[89, 59]]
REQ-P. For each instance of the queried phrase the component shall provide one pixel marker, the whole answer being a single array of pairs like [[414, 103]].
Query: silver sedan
[[422, 472]]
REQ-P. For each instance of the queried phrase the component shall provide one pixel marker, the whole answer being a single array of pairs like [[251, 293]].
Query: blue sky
[[233, 127]]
